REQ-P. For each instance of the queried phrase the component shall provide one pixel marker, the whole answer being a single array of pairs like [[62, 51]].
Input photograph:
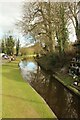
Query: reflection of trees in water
[[37, 77], [78, 108], [72, 106], [59, 104], [49, 90], [61, 101], [52, 93], [38, 80]]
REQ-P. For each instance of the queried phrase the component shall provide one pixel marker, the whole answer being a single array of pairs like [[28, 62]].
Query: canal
[[64, 103]]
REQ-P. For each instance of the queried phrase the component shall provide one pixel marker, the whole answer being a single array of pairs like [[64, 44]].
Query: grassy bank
[[55, 69], [19, 99], [67, 81]]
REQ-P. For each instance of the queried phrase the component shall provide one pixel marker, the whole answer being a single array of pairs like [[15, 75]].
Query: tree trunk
[[50, 28], [77, 29]]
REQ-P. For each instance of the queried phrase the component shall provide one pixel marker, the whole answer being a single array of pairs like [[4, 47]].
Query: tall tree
[[17, 47], [78, 17], [45, 20], [74, 14], [37, 19], [61, 26], [9, 42], [3, 46]]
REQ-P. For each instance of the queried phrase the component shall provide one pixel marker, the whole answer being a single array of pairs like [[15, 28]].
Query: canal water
[[63, 102]]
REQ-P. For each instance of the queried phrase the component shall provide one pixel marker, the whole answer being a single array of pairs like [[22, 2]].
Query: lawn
[[19, 99]]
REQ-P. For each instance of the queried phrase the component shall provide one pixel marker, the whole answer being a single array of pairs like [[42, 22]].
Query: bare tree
[[45, 20], [74, 14], [60, 21], [37, 19]]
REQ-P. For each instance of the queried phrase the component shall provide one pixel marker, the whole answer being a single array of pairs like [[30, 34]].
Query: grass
[[67, 81], [65, 78], [20, 100], [0, 91]]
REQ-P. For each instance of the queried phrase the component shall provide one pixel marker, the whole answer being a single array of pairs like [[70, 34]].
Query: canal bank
[[68, 85], [62, 101], [64, 78], [19, 98]]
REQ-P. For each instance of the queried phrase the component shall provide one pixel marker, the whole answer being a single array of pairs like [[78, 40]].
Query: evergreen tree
[[17, 47], [9, 42], [3, 46]]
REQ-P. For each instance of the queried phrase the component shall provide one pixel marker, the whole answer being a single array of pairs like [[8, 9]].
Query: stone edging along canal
[[55, 75], [71, 88]]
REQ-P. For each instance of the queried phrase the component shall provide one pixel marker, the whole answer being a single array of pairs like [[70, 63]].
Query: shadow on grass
[[12, 74], [10, 65], [24, 99]]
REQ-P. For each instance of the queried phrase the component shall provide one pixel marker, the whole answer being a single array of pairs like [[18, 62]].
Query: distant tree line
[[7, 45]]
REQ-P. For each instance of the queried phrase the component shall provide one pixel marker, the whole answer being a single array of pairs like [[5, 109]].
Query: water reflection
[[63, 103], [28, 69]]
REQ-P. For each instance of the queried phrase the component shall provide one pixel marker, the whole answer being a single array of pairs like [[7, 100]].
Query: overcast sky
[[10, 12]]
